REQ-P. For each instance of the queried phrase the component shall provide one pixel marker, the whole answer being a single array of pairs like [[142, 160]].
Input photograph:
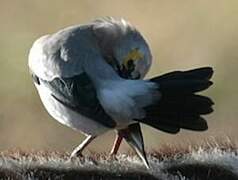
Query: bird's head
[[123, 47], [133, 56]]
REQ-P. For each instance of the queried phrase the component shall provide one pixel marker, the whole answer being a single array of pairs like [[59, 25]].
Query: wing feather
[[78, 94]]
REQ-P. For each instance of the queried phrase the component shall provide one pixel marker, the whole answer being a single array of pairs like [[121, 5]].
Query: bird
[[91, 78]]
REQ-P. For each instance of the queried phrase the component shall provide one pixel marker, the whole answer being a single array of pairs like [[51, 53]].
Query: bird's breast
[[67, 116]]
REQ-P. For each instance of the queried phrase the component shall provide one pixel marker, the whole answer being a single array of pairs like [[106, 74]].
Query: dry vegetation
[[182, 34], [210, 161]]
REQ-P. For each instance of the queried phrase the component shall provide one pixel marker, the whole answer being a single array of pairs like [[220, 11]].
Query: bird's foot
[[76, 157], [112, 157], [76, 154]]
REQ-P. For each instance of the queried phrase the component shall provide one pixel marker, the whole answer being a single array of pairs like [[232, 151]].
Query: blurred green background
[[182, 34]]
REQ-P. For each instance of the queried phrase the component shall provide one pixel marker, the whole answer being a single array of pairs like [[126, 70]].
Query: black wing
[[79, 94]]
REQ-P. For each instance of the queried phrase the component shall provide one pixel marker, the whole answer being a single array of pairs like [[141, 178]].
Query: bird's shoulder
[[62, 53]]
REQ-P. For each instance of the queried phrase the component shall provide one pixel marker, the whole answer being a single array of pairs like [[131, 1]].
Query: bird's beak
[[135, 139]]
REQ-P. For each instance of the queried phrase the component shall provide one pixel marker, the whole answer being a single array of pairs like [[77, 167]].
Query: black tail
[[179, 106]]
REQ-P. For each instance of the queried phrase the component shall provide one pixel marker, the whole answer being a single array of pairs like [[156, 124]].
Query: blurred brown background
[[182, 34]]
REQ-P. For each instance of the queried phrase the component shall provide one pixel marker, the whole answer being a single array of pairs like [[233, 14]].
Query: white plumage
[[67, 116]]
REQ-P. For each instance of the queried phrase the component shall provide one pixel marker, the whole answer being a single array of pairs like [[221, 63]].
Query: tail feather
[[166, 128], [204, 73], [184, 86], [179, 106]]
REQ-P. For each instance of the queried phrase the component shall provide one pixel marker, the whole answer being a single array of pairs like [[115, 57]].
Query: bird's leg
[[116, 144], [120, 135], [78, 150]]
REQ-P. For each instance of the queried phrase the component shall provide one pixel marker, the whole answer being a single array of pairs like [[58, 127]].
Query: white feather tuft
[[124, 99]]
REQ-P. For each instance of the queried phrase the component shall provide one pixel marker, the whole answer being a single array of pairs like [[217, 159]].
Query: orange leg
[[116, 144], [122, 133]]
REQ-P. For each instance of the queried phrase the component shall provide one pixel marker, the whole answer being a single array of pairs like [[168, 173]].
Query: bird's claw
[[112, 157], [75, 155]]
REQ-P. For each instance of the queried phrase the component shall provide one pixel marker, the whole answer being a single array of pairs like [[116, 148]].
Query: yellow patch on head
[[133, 55]]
